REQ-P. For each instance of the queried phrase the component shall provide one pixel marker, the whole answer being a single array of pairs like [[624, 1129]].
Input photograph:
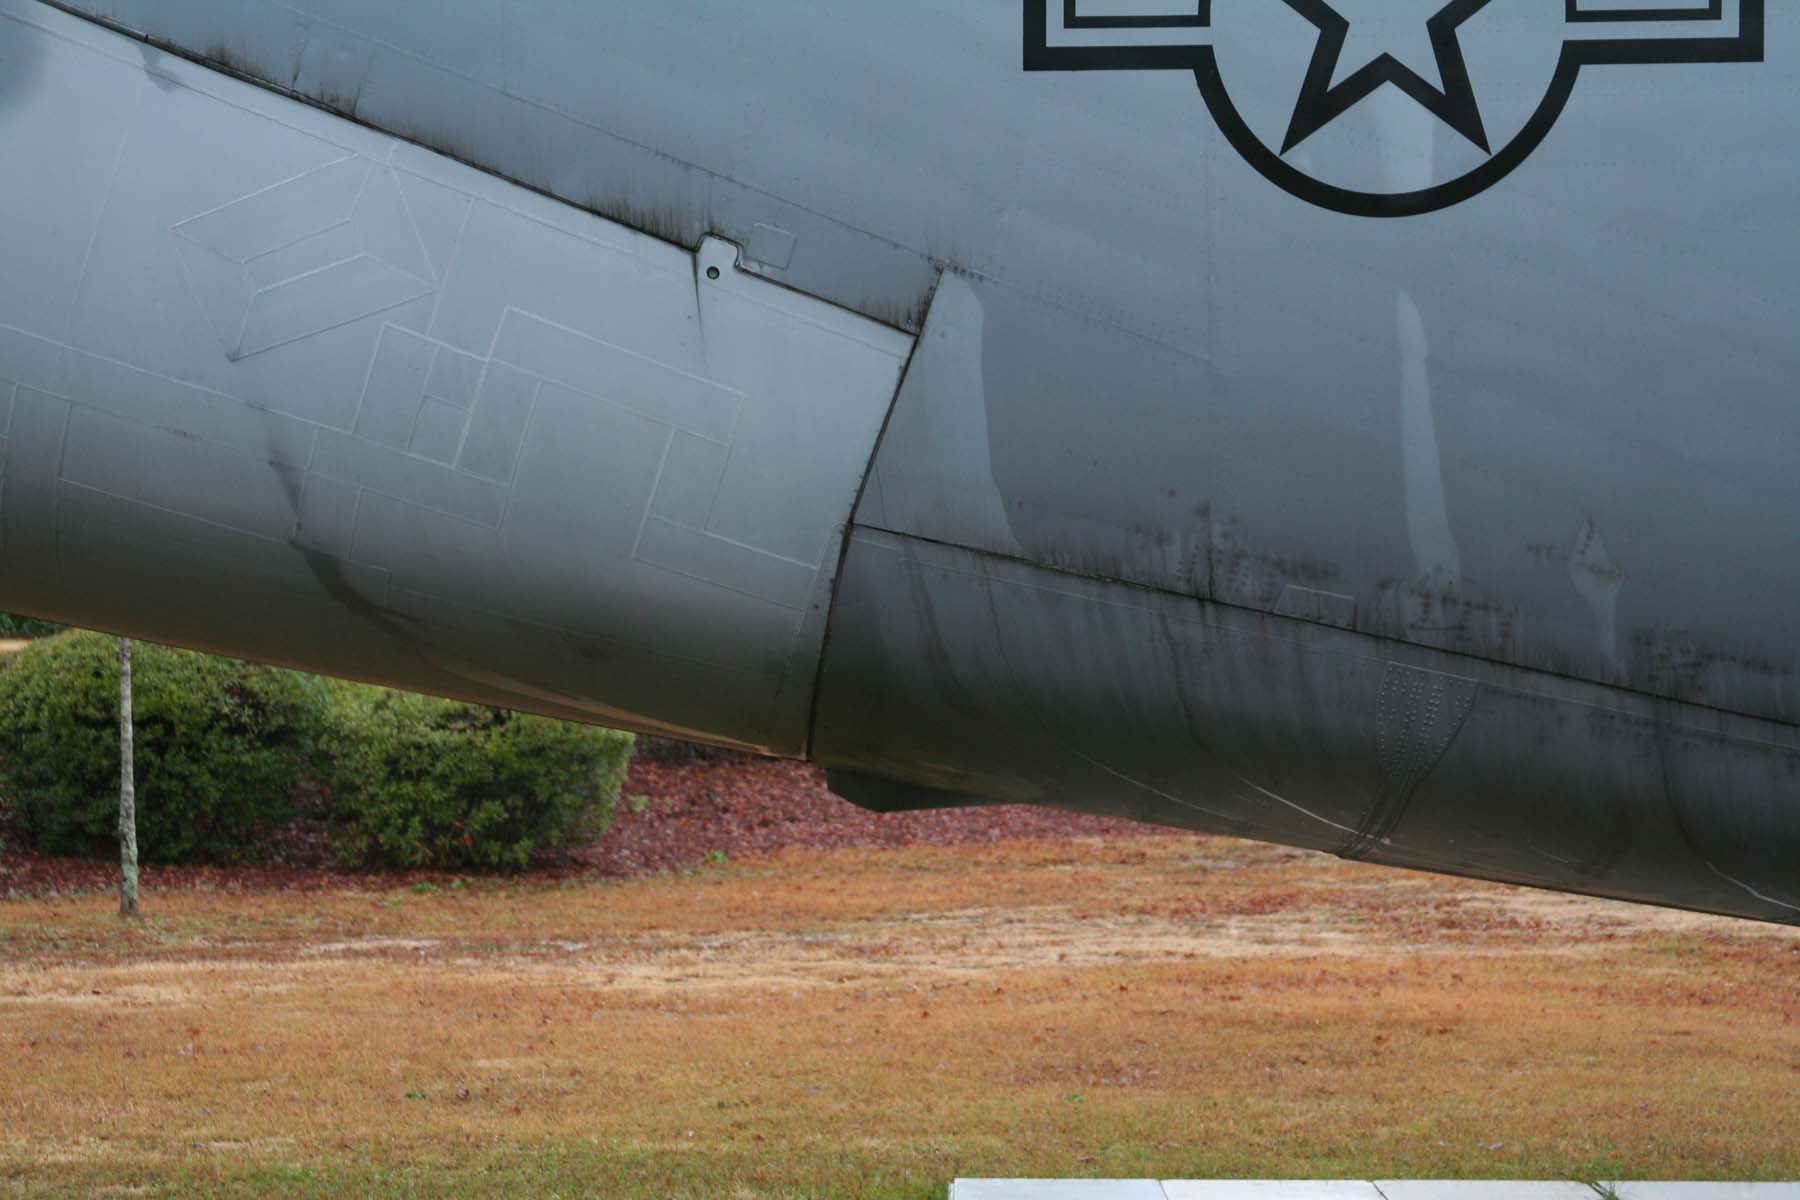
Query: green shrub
[[422, 782], [220, 747], [26, 627]]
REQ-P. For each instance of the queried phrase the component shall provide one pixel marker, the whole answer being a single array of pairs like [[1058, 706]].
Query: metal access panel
[[269, 378]]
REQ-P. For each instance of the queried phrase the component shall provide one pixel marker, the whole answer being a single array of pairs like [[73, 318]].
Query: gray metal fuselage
[[819, 380]]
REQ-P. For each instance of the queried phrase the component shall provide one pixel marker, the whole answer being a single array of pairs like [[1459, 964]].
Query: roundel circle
[[1386, 107]]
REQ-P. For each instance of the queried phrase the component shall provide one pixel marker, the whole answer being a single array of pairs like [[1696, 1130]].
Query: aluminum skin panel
[[1549, 424], [280, 386], [960, 671]]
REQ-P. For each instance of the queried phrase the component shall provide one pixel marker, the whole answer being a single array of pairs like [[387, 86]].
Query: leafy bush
[[26, 627], [223, 747], [220, 747], [422, 782]]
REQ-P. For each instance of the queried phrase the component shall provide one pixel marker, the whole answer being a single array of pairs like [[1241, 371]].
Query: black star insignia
[[1321, 104]]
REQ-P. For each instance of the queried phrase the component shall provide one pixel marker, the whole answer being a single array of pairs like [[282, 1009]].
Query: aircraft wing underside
[[341, 394]]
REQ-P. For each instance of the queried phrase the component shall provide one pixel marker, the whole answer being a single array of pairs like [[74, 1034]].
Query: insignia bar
[[1287, 81]]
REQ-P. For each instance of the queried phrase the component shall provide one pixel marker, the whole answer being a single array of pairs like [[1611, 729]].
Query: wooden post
[[128, 850]]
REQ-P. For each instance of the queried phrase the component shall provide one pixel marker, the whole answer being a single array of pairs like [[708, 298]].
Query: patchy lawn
[[871, 1021]]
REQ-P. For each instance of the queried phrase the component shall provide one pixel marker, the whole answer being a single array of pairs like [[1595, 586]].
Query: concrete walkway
[[1175, 1189]]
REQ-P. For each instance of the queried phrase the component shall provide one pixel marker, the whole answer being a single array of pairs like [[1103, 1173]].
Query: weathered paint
[[1462, 540]]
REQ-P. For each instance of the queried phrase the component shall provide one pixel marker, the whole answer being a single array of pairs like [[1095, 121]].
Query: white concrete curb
[[1320, 1189]]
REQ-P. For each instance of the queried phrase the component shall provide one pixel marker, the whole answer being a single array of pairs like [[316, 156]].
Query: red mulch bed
[[670, 815], [758, 806]]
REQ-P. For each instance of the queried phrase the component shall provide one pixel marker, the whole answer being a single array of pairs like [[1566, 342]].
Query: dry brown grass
[[872, 1023]]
